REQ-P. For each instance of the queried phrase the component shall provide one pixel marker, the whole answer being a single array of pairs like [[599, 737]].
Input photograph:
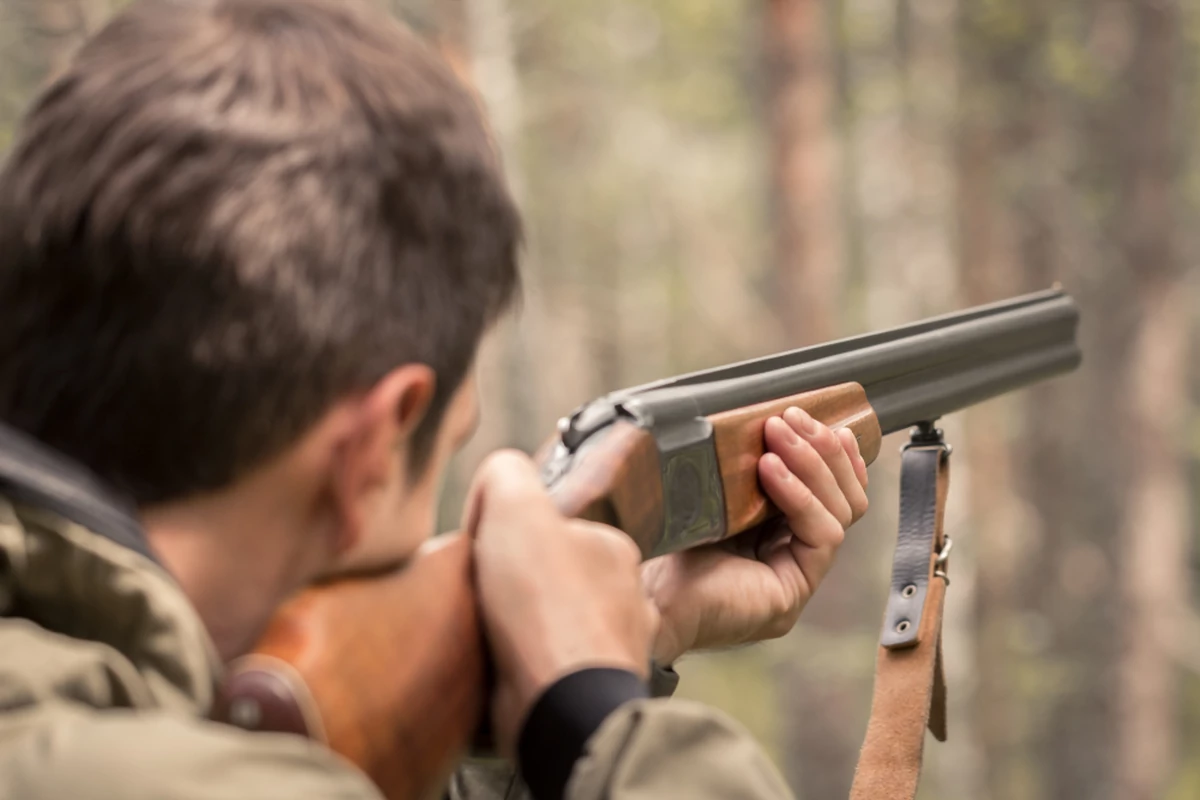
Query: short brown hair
[[225, 215]]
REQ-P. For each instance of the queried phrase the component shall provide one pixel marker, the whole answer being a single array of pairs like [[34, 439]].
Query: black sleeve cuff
[[563, 719]]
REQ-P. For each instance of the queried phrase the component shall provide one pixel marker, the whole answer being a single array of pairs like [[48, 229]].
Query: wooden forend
[[739, 442]]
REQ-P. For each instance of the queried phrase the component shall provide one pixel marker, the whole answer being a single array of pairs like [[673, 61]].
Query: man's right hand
[[557, 595]]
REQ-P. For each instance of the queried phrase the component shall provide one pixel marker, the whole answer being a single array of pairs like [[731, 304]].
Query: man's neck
[[237, 556]]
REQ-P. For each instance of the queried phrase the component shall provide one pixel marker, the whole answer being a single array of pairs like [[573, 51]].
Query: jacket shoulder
[[674, 748], [39, 666], [57, 751]]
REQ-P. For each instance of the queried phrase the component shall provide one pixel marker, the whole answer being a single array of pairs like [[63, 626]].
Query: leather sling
[[910, 688]]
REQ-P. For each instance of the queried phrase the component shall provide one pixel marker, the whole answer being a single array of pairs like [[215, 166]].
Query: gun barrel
[[911, 374]]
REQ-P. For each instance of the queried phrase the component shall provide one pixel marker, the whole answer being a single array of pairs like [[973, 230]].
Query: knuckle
[[833, 533], [804, 499], [504, 461], [506, 473], [629, 552], [776, 430], [844, 514], [860, 506], [808, 457], [826, 441], [782, 623]]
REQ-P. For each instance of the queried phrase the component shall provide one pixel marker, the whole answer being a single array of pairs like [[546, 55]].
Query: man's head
[[236, 226]]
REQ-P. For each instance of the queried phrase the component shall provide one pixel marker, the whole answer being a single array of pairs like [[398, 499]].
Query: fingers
[[808, 518], [836, 452], [509, 472], [850, 442], [808, 450], [845, 468], [555, 594], [817, 479], [831, 464]]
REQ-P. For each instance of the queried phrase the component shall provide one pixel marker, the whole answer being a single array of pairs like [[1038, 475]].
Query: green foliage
[[1068, 63], [1002, 20]]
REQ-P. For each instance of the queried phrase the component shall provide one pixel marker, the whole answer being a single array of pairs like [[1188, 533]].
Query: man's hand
[[557, 595], [754, 586]]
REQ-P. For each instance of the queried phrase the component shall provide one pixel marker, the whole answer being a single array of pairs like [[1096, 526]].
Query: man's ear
[[366, 459]]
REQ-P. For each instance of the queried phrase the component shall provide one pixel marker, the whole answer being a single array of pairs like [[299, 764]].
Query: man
[[248, 249]]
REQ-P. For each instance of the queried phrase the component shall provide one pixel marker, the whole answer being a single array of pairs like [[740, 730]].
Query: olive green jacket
[[107, 674]]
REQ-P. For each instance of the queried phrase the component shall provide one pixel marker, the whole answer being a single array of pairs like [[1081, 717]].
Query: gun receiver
[[672, 463]]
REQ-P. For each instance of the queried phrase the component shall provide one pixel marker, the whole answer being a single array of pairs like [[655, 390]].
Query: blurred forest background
[[711, 180]]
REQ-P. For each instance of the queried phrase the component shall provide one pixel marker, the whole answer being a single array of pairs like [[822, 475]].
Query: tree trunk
[[1154, 527], [493, 65], [1002, 123], [987, 275], [806, 296], [807, 290]]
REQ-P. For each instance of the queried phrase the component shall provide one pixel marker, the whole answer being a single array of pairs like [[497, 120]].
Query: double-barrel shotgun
[[389, 670]]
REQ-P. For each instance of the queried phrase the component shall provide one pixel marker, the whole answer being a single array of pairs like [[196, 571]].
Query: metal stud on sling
[[910, 689]]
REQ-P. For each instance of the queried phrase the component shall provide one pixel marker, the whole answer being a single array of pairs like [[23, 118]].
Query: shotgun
[[672, 463]]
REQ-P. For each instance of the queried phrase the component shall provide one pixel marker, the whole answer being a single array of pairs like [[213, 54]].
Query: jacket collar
[[75, 560], [32, 473]]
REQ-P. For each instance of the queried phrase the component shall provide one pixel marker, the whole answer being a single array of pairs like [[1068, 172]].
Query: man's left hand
[[753, 586]]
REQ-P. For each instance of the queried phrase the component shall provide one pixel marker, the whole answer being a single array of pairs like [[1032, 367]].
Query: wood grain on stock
[[393, 665], [739, 441]]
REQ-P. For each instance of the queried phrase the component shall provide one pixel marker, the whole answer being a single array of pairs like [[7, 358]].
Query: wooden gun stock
[[388, 671]]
